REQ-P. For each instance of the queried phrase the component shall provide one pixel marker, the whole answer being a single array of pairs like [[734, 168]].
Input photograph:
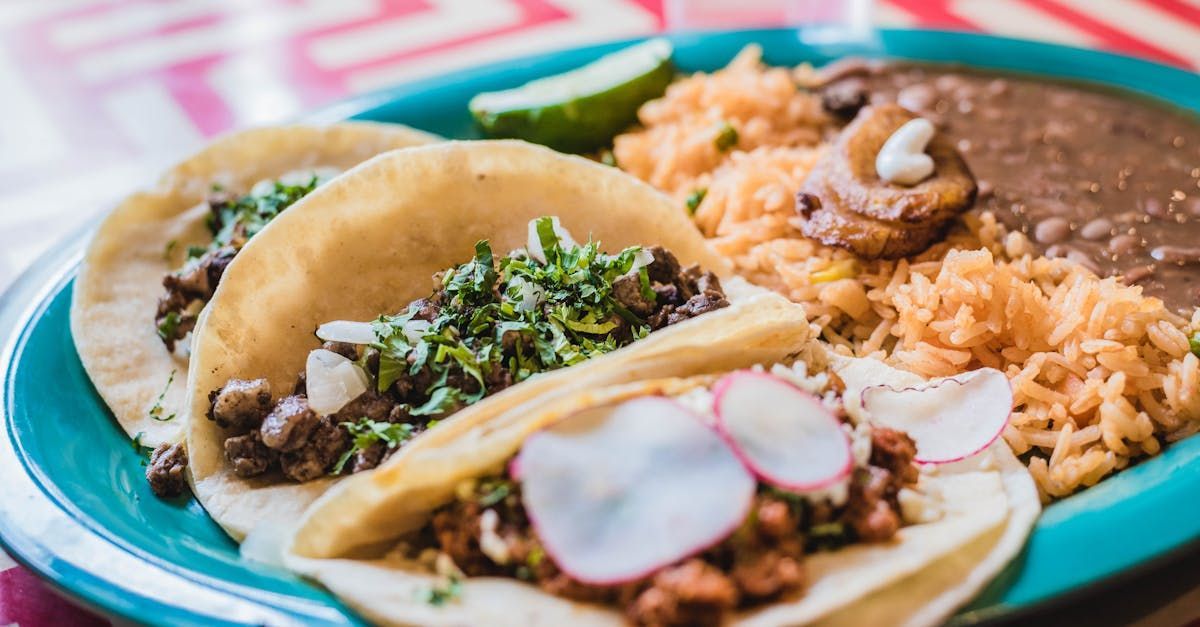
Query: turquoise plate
[[76, 509]]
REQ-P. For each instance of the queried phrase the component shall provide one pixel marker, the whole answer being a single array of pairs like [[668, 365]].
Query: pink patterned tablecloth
[[96, 95]]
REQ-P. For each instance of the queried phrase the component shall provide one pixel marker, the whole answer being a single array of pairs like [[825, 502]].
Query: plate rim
[[54, 268]]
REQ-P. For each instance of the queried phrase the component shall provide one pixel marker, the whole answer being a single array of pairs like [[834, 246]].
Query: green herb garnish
[[167, 328], [695, 198], [444, 593], [513, 313], [156, 411], [141, 449], [239, 220], [195, 252], [1194, 343], [170, 248], [368, 432], [726, 138], [494, 492]]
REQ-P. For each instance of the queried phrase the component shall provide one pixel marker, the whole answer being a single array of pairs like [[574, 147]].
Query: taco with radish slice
[[156, 260], [751, 497], [433, 288]]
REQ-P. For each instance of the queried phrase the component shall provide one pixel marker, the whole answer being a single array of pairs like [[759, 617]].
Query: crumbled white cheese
[[860, 443], [917, 508], [490, 542], [797, 374], [699, 400]]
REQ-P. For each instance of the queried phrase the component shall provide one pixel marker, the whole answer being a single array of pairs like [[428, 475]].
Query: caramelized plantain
[[844, 203]]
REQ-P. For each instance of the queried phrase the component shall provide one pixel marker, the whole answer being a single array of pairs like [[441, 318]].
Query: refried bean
[[1108, 179]]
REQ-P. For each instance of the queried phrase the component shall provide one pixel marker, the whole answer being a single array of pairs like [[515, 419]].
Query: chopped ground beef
[[248, 455], [870, 514], [692, 593], [345, 349], [184, 289], [679, 293], [289, 425], [241, 404], [166, 470], [761, 562], [290, 437], [316, 456]]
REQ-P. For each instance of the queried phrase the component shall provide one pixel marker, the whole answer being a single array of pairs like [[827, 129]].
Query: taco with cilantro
[[432, 288], [807, 490], [157, 258]]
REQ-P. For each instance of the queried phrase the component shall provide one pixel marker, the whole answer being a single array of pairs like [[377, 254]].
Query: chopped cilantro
[[726, 138], [536, 555], [695, 198], [169, 325], [1194, 342], [513, 313], [443, 593], [238, 220], [195, 252], [156, 411], [367, 432], [494, 492], [141, 449], [170, 248]]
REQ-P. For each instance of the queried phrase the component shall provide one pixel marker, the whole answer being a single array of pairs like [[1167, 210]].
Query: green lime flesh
[[583, 109]]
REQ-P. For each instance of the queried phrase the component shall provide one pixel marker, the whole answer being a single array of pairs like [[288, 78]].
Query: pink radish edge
[[719, 390], [920, 388], [717, 539]]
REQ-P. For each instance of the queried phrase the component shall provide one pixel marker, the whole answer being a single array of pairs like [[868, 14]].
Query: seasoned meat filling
[[417, 375], [761, 562], [166, 470], [241, 404], [233, 220]]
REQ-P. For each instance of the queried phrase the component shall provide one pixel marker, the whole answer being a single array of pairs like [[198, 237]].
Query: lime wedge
[[583, 109]]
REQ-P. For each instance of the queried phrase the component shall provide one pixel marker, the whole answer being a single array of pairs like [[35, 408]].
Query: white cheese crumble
[[917, 508], [490, 542]]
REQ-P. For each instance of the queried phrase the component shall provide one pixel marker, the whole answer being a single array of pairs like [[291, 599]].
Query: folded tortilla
[[120, 280], [369, 242], [345, 540]]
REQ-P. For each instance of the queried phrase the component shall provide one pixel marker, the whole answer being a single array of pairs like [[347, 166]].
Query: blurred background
[[97, 96]]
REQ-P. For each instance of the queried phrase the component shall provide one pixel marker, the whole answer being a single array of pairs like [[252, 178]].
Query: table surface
[[96, 96]]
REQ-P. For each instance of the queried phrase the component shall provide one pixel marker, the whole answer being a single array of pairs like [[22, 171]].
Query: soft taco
[[429, 289], [763, 496], [156, 259]]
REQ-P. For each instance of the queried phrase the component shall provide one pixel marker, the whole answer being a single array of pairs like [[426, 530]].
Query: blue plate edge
[[25, 315]]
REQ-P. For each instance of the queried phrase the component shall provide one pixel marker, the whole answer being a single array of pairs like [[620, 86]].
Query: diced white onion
[[295, 177], [414, 330], [531, 295], [332, 381], [534, 245], [347, 331], [641, 259]]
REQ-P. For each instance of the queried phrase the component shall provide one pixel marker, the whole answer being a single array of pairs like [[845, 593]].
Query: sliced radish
[[949, 419], [617, 492], [332, 381], [347, 331], [534, 245], [784, 434]]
